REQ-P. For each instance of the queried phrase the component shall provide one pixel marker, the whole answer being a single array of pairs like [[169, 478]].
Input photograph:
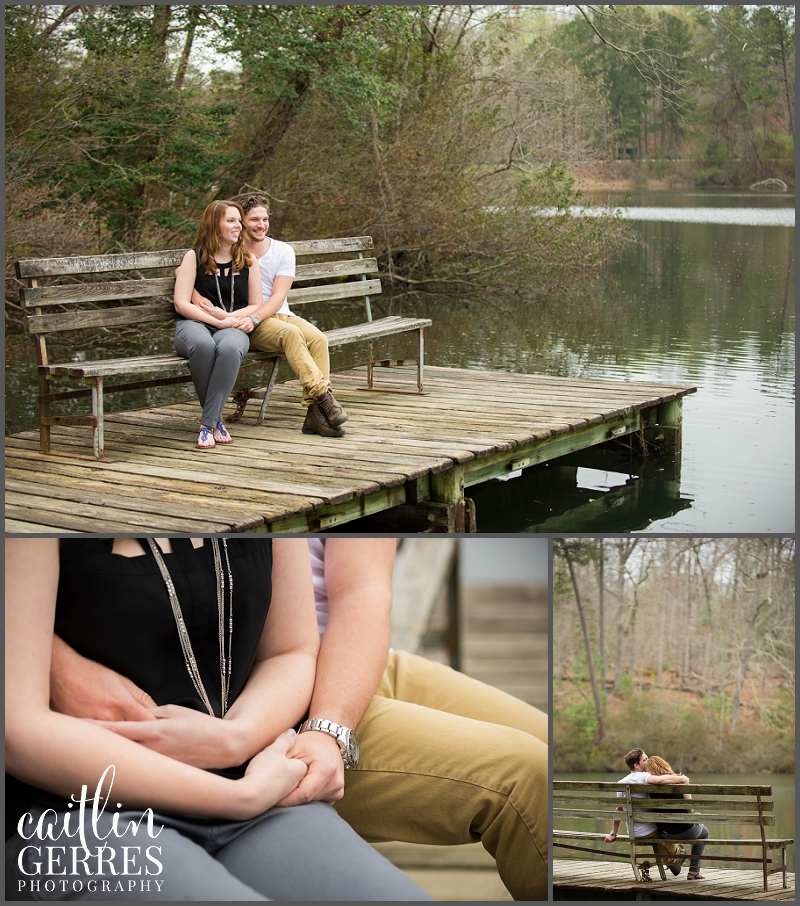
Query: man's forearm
[[355, 646], [667, 778]]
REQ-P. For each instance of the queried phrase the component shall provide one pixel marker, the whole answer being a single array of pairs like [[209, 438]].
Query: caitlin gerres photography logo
[[50, 861]]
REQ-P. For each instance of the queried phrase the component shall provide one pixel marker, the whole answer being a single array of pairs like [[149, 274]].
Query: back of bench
[[337, 270], [711, 803]]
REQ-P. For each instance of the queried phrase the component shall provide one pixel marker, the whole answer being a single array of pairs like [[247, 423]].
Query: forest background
[[438, 130], [684, 646]]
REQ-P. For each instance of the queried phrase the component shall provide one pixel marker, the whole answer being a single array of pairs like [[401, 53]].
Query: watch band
[[344, 736], [255, 319]]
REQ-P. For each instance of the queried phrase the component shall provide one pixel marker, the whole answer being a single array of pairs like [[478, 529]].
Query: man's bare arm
[[667, 778]]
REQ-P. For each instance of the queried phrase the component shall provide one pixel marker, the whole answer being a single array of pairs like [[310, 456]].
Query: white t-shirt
[[640, 828], [277, 261], [316, 549]]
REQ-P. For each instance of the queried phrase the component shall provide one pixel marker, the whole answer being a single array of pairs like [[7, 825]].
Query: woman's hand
[[186, 735], [272, 775]]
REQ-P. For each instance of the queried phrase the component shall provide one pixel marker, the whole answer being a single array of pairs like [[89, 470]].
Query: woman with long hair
[[674, 830], [219, 268], [221, 635]]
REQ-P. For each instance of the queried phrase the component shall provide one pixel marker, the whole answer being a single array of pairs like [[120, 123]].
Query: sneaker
[[677, 862]]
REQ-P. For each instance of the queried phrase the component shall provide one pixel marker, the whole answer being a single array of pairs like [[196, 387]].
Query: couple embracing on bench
[[657, 771], [230, 295]]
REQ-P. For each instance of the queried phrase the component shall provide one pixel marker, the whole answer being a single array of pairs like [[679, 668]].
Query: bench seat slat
[[383, 327], [167, 361]]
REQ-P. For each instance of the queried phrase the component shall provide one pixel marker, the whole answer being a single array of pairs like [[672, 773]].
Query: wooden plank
[[53, 322], [336, 292], [724, 790], [330, 269], [79, 293], [331, 246], [420, 572], [97, 264]]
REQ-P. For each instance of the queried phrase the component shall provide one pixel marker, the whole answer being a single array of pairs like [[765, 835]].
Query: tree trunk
[[601, 732], [191, 29]]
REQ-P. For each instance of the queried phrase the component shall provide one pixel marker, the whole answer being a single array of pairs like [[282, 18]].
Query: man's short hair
[[633, 757], [249, 201]]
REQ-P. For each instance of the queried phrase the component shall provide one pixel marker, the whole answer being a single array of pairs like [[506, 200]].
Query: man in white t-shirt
[[279, 330], [636, 761]]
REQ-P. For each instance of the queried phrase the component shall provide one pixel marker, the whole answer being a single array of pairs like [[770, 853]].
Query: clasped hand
[[225, 318]]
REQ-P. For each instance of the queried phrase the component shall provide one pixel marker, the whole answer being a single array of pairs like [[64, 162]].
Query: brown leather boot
[[334, 411], [316, 423]]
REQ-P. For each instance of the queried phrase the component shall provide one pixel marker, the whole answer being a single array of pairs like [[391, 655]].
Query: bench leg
[[268, 391], [44, 412], [659, 862], [634, 866], [97, 413], [370, 363], [420, 358]]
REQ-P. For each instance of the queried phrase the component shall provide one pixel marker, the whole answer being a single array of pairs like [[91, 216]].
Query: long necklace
[[225, 657], [219, 294]]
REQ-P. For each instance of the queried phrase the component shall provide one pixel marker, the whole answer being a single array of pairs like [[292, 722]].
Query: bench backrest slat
[[78, 293], [56, 322], [710, 789], [97, 264], [127, 261], [338, 292]]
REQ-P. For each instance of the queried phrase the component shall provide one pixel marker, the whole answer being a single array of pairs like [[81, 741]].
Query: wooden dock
[[408, 453], [595, 880]]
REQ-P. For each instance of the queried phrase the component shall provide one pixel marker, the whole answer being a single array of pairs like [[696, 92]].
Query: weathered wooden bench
[[104, 292], [424, 567], [711, 804]]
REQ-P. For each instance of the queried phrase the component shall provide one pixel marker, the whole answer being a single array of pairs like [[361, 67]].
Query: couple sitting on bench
[[655, 770], [227, 307]]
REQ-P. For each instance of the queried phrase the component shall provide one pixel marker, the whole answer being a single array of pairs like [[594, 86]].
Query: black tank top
[[206, 285], [115, 610]]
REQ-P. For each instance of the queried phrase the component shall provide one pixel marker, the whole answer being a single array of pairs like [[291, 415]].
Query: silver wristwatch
[[344, 736], [255, 319]]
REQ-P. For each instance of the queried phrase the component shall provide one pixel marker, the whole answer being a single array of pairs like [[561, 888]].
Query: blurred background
[[480, 605]]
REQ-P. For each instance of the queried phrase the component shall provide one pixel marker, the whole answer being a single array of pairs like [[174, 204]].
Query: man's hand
[[324, 781], [185, 734], [610, 838], [83, 688]]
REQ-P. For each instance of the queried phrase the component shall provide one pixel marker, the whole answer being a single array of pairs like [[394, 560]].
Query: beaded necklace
[[225, 657]]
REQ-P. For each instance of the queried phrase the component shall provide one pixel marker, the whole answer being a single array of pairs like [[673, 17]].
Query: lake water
[[705, 296], [782, 797]]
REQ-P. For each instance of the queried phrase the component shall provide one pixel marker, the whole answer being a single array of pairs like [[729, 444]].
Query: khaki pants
[[305, 348], [446, 759], [665, 848]]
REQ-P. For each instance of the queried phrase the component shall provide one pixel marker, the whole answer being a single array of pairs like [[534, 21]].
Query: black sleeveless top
[[206, 285], [670, 827], [115, 610]]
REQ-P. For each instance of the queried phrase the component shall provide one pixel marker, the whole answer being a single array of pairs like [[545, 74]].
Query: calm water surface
[[782, 797], [697, 299]]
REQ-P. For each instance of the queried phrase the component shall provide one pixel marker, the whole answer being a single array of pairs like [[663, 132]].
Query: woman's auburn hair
[[206, 245], [659, 766]]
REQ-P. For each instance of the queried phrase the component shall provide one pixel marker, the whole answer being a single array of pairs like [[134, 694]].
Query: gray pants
[[693, 832], [214, 359], [303, 853]]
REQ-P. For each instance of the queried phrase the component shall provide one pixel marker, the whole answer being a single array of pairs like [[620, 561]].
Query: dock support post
[[448, 488], [670, 420]]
